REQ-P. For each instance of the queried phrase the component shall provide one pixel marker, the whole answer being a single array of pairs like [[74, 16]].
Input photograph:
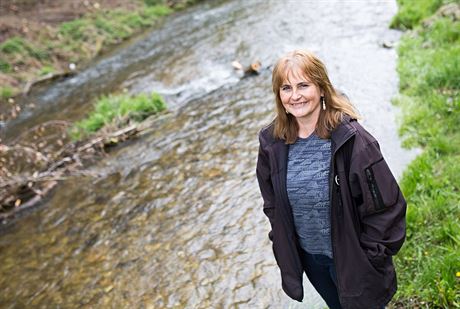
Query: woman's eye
[[285, 88], [303, 85]]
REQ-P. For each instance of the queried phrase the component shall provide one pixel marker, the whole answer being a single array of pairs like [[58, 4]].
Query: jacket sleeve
[[265, 184], [381, 205]]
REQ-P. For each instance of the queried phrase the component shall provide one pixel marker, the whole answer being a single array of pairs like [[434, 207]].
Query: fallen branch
[[46, 78], [30, 203], [15, 191]]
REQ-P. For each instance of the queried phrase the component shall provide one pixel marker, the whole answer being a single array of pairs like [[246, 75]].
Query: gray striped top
[[308, 192]]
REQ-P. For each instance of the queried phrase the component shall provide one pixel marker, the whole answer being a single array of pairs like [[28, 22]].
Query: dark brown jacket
[[367, 216]]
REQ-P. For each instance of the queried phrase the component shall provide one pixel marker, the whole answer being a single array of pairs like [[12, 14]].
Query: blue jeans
[[320, 270]]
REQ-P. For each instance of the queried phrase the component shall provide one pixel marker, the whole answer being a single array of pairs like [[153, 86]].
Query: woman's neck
[[306, 127]]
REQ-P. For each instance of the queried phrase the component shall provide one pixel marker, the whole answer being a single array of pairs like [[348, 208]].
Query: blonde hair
[[337, 105]]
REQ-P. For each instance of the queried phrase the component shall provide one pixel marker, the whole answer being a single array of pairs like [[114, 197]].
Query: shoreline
[[429, 97], [62, 39]]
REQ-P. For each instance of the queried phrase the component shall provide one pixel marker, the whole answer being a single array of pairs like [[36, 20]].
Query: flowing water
[[173, 219]]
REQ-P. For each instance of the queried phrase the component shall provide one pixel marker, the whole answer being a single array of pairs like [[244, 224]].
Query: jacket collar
[[344, 131], [339, 136]]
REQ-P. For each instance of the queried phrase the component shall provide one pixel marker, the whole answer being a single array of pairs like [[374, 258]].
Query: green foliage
[[111, 28], [156, 11], [133, 21], [430, 259], [18, 46], [107, 27], [79, 40], [13, 45], [429, 71], [118, 109], [75, 29], [6, 92], [154, 2], [411, 12], [5, 67], [431, 59], [46, 70], [442, 31], [37, 53]]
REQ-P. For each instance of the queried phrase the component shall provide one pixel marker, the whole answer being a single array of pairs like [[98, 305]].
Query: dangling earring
[[286, 111], [324, 103]]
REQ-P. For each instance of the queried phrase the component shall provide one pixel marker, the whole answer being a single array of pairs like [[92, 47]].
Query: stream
[[173, 218]]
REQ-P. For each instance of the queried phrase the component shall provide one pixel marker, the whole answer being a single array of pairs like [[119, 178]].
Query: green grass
[[176, 5], [116, 110], [46, 70], [74, 30], [429, 70], [13, 45], [109, 28], [6, 92], [76, 41], [18, 46], [5, 67], [411, 12], [154, 2]]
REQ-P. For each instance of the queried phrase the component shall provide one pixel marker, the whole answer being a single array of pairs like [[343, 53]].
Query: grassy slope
[[117, 110], [78, 41], [429, 69]]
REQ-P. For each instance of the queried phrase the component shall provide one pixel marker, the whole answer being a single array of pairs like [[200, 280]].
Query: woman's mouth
[[297, 105]]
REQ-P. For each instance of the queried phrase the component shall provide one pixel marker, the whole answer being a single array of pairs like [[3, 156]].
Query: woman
[[335, 210]]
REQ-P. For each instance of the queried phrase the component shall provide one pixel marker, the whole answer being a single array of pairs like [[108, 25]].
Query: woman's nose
[[295, 94]]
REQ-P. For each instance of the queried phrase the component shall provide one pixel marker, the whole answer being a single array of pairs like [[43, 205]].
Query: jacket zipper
[[331, 183], [339, 196], [334, 250], [374, 189]]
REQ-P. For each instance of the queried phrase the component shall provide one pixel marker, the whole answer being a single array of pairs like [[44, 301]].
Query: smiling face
[[300, 97]]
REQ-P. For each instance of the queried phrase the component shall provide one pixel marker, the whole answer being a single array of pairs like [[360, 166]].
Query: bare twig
[[62, 165], [42, 125]]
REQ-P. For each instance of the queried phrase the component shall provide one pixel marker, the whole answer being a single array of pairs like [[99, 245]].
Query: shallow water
[[173, 219]]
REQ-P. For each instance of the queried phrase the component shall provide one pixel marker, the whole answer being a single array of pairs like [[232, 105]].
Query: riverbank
[[32, 166], [429, 69], [42, 40], [60, 39]]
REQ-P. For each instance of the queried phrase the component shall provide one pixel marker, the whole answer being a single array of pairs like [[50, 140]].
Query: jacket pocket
[[383, 191], [378, 262], [383, 265]]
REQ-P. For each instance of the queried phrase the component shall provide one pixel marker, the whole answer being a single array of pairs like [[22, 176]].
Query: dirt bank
[[42, 39], [26, 18]]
